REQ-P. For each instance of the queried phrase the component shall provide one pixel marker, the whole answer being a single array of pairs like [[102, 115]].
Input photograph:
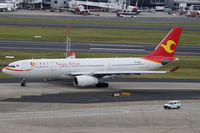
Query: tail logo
[[168, 46]]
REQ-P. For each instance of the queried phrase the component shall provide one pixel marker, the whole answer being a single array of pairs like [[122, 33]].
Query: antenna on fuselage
[[68, 40]]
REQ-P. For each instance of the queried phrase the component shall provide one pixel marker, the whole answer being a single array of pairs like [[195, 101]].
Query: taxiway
[[88, 47], [144, 17], [59, 107], [64, 92], [96, 26]]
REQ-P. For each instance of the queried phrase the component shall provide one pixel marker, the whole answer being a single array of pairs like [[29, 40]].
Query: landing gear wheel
[[99, 85], [23, 82], [106, 85]]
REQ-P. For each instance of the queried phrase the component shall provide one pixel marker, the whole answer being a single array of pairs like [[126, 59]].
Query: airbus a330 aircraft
[[88, 71]]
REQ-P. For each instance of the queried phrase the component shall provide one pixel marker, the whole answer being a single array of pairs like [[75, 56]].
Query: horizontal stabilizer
[[174, 69]]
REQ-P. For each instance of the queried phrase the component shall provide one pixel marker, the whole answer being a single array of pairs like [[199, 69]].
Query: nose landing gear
[[23, 82]]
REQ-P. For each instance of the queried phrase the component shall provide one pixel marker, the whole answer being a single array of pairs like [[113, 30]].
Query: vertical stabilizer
[[167, 47]]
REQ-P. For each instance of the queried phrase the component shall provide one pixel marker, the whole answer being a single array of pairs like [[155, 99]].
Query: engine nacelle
[[85, 80]]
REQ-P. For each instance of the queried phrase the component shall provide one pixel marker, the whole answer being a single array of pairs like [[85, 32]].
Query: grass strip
[[91, 35], [96, 22]]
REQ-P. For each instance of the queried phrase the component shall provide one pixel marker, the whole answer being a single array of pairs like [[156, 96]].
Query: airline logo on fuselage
[[32, 63], [167, 47]]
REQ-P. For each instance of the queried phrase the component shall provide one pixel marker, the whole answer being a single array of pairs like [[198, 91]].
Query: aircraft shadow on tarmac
[[101, 97]]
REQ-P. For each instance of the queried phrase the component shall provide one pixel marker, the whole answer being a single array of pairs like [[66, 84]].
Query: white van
[[7, 6], [172, 105]]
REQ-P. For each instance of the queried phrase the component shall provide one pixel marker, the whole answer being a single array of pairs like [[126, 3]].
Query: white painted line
[[88, 112], [113, 49], [76, 113], [115, 45], [38, 36], [9, 57], [19, 48]]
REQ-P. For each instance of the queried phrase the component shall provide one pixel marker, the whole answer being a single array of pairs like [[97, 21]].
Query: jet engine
[[85, 80]]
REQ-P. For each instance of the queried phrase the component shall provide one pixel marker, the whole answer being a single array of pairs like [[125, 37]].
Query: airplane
[[133, 8], [80, 9], [129, 11], [88, 71]]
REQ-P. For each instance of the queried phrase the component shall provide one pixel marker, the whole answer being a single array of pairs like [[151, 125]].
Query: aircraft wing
[[114, 72], [119, 72]]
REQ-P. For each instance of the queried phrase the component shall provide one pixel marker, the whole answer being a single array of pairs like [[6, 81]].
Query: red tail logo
[[167, 47]]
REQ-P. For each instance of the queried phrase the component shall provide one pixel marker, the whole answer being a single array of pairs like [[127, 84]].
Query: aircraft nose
[[4, 70]]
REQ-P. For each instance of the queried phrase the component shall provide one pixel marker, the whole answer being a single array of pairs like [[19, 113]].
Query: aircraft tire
[[106, 85], [23, 84], [100, 85]]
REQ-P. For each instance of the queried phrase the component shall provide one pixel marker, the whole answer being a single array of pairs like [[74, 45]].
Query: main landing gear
[[23, 82], [102, 85]]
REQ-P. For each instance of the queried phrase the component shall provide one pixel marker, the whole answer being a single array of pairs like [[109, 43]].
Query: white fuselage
[[62, 68]]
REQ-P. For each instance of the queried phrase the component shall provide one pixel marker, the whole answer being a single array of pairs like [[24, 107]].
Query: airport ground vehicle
[[7, 6], [172, 105], [88, 71]]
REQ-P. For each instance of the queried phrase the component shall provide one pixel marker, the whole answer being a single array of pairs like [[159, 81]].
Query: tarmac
[[49, 107], [97, 26], [102, 16], [140, 119]]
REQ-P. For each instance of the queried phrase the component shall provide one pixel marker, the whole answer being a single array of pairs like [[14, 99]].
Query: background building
[[182, 4], [109, 5], [149, 3], [55, 3]]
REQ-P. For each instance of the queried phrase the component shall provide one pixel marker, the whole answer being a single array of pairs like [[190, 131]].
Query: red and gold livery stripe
[[12, 69], [156, 61]]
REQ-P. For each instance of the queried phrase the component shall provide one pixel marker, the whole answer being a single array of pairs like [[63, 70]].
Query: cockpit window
[[11, 66]]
